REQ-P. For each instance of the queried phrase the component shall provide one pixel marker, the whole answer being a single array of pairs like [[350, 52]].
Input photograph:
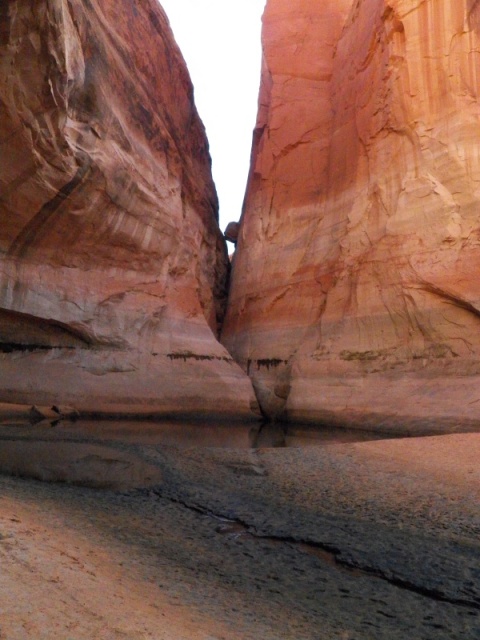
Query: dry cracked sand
[[343, 540]]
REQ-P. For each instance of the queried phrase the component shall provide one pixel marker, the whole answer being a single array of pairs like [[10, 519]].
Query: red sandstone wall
[[112, 266], [355, 292]]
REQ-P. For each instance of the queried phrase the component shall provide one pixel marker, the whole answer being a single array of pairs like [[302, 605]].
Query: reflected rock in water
[[268, 434]]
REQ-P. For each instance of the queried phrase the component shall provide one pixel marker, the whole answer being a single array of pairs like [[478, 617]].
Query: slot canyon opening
[[221, 44]]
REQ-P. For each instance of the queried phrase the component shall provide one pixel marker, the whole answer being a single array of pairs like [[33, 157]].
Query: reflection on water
[[186, 435]]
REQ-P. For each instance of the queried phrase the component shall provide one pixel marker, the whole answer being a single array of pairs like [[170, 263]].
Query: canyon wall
[[112, 267], [355, 294]]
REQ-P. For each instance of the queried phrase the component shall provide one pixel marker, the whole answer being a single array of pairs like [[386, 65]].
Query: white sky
[[220, 41]]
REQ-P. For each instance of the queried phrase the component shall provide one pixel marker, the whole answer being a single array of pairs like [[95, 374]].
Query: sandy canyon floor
[[345, 540]]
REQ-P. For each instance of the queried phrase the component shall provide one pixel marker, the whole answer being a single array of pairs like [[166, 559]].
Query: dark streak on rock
[[4, 23], [265, 362], [11, 347], [194, 356], [29, 234], [451, 298]]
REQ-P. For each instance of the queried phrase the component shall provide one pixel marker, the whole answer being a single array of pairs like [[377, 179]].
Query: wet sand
[[351, 541]]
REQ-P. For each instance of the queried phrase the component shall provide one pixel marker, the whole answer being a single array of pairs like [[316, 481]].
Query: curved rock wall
[[355, 295], [112, 268]]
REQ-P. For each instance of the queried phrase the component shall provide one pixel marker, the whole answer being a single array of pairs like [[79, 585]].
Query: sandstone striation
[[355, 295], [112, 267]]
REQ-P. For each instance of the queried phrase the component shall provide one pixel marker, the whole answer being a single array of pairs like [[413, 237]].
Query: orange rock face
[[355, 294], [113, 269]]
